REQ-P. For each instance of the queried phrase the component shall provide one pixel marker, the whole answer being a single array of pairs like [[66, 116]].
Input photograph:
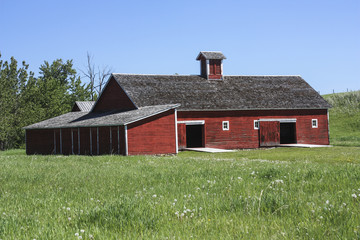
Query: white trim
[[282, 120], [207, 68], [176, 132], [316, 123], [227, 128], [222, 69], [126, 141], [192, 122], [328, 127], [258, 122], [97, 138]]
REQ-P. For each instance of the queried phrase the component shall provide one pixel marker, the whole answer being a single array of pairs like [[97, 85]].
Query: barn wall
[[39, 141], [113, 98], [154, 135], [242, 133]]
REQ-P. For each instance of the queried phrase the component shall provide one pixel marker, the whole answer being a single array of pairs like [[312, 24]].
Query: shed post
[[79, 141], [54, 141], [97, 138], [90, 141], [118, 137], [72, 141], [126, 141], [110, 150], [60, 141]]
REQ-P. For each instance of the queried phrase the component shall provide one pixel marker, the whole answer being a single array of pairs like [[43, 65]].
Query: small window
[[314, 123], [256, 124], [225, 125]]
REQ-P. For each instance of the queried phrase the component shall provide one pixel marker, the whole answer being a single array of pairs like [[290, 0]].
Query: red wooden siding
[[113, 98], [39, 141], [84, 141], [182, 135], [269, 133], [242, 133], [215, 69], [154, 135]]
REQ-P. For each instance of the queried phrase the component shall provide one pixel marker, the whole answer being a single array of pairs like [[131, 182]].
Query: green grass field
[[252, 194], [344, 118], [279, 193]]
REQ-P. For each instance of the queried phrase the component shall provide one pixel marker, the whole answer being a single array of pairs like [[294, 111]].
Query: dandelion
[[354, 195], [76, 234], [154, 196], [82, 230]]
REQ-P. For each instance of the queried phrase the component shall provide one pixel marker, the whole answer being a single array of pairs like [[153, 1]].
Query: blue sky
[[319, 40]]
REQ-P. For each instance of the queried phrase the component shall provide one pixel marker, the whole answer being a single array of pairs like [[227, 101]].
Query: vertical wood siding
[[39, 141], [242, 133], [154, 135], [113, 98]]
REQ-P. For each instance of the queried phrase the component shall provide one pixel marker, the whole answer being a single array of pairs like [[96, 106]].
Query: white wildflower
[[279, 181], [327, 202], [181, 215], [173, 204], [82, 230], [76, 234], [91, 236], [79, 237], [69, 218], [200, 208], [176, 213], [344, 204], [68, 208], [240, 178], [354, 195], [253, 173], [91, 199], [175, 200], [154, 196]]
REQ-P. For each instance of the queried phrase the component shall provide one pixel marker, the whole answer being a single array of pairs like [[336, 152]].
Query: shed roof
[[194, 92], [86, 119], [211, 55], [83, 106]]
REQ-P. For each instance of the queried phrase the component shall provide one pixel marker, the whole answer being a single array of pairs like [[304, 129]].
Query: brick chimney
[[211, 65]]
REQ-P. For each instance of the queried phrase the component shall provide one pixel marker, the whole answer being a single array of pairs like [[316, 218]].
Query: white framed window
[[256, 124], [225, 125], [314, 123]]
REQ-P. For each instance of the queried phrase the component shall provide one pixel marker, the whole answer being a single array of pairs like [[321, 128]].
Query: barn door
[[269, 133]]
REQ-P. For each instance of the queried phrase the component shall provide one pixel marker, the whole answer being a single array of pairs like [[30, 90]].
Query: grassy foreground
[[257, 194]]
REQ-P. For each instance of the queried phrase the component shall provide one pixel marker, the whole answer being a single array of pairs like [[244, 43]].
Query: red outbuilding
[[159, 114]]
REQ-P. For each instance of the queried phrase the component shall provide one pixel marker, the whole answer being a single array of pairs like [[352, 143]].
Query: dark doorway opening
[[194, 136], [287, 133]]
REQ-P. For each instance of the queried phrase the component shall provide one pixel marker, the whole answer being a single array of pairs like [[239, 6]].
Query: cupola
[[211, 66]]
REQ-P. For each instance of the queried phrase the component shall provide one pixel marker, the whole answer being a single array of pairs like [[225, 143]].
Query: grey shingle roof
[[211, 55], [232, 93], [86, 119], [84, 106]]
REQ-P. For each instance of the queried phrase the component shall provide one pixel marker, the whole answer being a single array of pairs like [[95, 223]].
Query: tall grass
[[257, 194], [344, 118]]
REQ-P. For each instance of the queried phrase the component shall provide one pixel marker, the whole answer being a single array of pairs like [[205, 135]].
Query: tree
[[96, 78]]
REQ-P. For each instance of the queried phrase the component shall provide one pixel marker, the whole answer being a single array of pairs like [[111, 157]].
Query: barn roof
[[211, 55], [83, 106], [86, 119], [194, 92]]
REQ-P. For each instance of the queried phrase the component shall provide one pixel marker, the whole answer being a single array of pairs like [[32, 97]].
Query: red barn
[[159, 114]]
